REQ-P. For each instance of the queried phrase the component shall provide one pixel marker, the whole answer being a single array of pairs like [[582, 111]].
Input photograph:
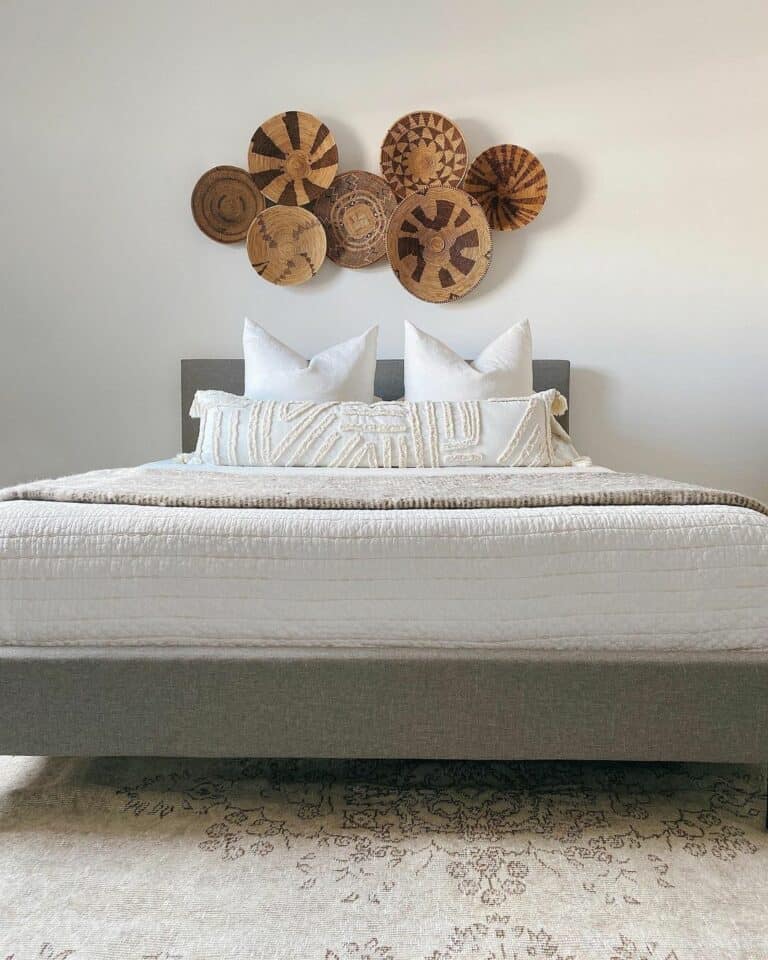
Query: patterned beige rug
[[215, 859]]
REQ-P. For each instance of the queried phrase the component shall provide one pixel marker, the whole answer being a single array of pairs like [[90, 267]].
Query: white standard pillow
[[517, 432], [275, 372], [435, 372]]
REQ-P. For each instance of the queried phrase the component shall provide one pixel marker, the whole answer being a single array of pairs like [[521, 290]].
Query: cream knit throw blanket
[[377, 490]]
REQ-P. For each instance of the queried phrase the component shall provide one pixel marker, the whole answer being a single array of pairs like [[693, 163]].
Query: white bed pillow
[[516, 432], [273, 371], [435, 372]]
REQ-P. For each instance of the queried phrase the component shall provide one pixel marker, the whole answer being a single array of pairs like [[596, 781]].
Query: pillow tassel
[[559, 405]]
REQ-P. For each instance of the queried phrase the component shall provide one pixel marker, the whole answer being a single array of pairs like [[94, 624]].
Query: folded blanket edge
[[408, 490]]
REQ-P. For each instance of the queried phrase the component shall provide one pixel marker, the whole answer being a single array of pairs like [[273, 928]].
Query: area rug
[[322, 860]]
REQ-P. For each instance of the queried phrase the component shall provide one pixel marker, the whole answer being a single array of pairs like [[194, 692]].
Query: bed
[[633, 632]]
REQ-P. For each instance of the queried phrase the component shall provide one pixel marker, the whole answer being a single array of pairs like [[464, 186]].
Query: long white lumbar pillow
[[517, 432]]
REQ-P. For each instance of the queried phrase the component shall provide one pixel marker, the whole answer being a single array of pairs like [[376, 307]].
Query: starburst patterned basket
[[421, 150]]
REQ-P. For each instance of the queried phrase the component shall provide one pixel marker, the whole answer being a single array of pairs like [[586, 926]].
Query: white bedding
[[582, 578]]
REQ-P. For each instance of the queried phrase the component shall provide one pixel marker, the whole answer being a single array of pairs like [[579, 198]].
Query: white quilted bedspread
[[597, 578]]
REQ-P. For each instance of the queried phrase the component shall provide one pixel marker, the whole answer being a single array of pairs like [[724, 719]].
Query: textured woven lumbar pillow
[[521, 432], [435, 372], [275, 372]]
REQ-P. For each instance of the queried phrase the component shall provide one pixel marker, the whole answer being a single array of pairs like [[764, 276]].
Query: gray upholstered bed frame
[[394, 703]]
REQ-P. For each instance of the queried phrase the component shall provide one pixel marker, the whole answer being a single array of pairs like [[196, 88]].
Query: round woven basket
[[510, 184], [422, 150], [286, 245], [293, 158], [355, 212], [439, 244], [224, 202]]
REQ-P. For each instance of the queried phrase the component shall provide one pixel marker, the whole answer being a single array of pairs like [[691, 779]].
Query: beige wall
[[646, 268]]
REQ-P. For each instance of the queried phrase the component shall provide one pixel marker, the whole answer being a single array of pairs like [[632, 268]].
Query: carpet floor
[[330, 860]]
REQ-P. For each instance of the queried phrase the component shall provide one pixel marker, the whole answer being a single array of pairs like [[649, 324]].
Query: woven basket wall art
[[421, 150], [224, 202], [293, 158], [355, 212], [286, 245], [510, 184], [429, 214], [439, 244]]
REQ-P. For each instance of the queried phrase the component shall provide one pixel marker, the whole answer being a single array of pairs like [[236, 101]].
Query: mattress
[[617, 578]]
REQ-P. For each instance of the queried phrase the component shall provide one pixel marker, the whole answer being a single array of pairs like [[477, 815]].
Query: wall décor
[[224, 202], [510, 183], [428, 214], [286, 245], [439, 244], [421, 150], [293, 158], [355, 212]]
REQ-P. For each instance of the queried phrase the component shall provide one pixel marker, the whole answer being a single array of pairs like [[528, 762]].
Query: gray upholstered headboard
[[227, 375]]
